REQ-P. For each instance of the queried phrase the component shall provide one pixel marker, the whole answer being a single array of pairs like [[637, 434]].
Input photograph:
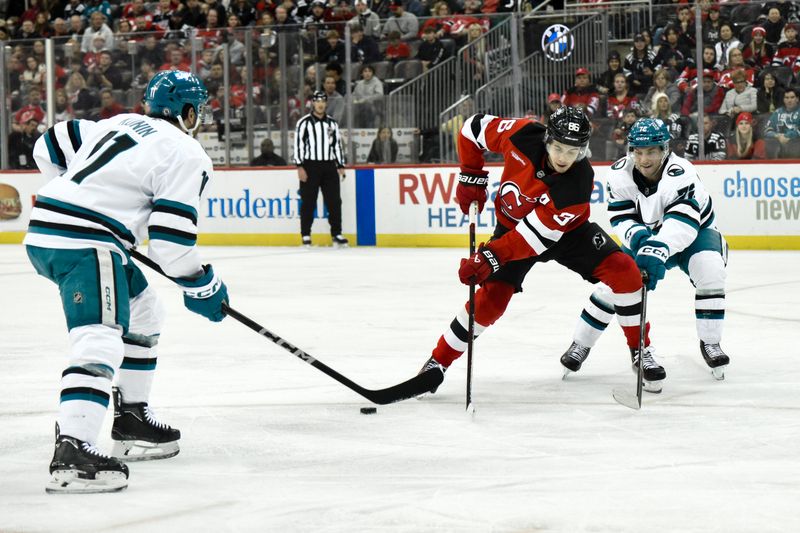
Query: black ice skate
[[339, 241], [431, 363], [80, 468], [306, 241], [653, 374], [138, 435], [573, 358], [715, 358]]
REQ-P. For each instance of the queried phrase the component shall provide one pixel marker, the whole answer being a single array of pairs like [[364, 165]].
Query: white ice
[[272, 444]]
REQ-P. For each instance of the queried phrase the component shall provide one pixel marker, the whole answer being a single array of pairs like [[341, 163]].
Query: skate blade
[[653, 387], [566, 373], [340, 246], [139, 450], [719, 372], [68, 482], [626, 398]]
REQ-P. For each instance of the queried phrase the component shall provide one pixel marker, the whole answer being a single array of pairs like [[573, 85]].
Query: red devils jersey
[[540, 204]]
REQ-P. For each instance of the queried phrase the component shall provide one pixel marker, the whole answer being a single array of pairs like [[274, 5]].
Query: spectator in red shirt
[[687, 81], [397, 49], [743, 143], [177, 61], [620, 99], [736, 63], [32, 109], [109, 107], [758, 53], [788, 51], [713, 95], [583, 94]]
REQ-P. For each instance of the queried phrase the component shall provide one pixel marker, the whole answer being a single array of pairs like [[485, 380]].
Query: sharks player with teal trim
[[664, 217], [113, 184]]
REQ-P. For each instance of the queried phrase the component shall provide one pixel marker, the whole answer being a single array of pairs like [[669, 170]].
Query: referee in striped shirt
[[320, 165]]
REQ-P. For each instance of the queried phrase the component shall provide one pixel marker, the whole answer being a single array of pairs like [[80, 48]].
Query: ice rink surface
[[272, 444]]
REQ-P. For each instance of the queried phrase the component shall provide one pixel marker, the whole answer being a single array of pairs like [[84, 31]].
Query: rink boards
[[757, 205]]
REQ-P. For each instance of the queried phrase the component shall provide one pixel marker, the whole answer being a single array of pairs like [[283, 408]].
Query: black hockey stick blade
[[419, 384]]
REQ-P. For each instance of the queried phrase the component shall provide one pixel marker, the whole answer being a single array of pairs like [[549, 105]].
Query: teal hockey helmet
[[647, 132], [170, 91]]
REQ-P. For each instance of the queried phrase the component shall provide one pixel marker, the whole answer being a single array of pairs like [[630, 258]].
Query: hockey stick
[[415, 386], [473, 214], [624, 396]]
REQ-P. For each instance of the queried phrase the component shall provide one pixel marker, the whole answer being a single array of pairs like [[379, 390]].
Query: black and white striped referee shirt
[[318, 139]]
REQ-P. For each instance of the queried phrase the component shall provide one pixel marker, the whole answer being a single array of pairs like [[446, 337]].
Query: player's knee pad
[[147, 317], [707, 270], [96, 345], [619, 271], [491, 301]]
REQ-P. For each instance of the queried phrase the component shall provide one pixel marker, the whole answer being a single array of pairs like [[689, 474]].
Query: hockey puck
[[369, 410]]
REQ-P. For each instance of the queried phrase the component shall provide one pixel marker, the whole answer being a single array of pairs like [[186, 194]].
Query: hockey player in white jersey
[[664, 217], [115, 183]]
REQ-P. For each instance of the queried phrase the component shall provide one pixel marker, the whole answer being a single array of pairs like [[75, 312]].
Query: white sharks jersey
[[117, 182], [676, 207]]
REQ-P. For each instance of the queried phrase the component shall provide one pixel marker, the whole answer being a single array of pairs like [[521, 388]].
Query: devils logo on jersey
[[513, 203]]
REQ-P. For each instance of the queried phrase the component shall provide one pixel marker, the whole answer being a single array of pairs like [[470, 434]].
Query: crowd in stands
[[749, 80], [107, 51]]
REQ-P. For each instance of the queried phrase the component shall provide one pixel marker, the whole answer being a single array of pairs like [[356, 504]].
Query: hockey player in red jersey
[[542, 209]]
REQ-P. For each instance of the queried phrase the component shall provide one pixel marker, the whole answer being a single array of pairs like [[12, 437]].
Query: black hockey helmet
[[569, 125], [319, 95]]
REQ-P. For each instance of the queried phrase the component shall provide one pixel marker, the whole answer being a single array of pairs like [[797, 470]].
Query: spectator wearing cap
[[662, 84], [381, 8], [774, 25], [21, 142], [639, 62], [97, 28], [710, 29], [431, 51], [736, 64], [620, 98], [742, 97], [366, 19], [319, 157], [727, 42], [743, 143], [782, 132], [687, 80], [363, 49], [770, 94], [713, 95], [758, 53], [583, 94], [715, 143], [553, 104], [401, 20], [788, 52], [605, 81], [316, 18]]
